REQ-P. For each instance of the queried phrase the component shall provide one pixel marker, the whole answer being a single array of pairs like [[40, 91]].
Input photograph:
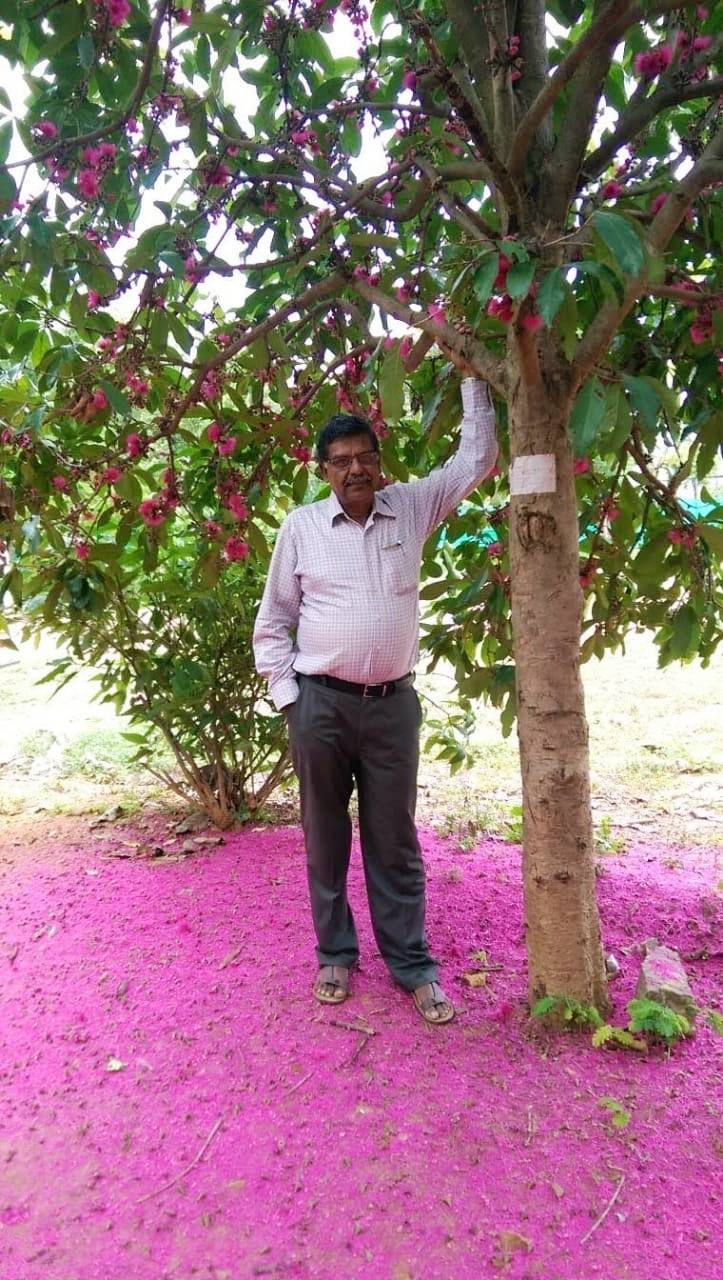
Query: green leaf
[[713, 535], [484, 277], [117, 399], [551, 295], [391, 385], [587, 416], [644, 398], [6, 137], [86, 51], [622, 240], [519, 279], [686, 632]]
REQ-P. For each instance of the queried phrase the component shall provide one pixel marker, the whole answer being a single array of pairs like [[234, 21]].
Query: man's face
[[359, 479]]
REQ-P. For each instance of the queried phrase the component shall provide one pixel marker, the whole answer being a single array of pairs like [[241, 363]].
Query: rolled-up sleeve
[[277, 620]]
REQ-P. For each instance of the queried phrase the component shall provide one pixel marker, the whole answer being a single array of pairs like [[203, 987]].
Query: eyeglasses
[[343, 461]]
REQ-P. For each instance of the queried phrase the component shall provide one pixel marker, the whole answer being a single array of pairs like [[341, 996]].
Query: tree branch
[[464, 351], [708, 169], [598, 31], [607, 28], [65, 144], [325, 288], [469, 109], [471, 222], [640, 114]]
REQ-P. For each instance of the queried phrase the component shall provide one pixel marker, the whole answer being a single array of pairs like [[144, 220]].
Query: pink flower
[[437, 313], [99, 401], [581, 466], [495, 548], [223, 339], [210, 389], [88, 184], [211, 528], [82, 550], [136, 445], [236, 505], [47, 129], [301, 453], [612, 190], [118, 11], [405, 346], [60, 483], [700, 332], [404, 292], [657, 203], [138, 386], [217, 176], [153, 512], [215, 432], [701, 12], [111, 474], [94, 299], [409, 80], [226, 446], [500, 309], [191, 270], [532, 321], [183, 16], [702, 42], [654, 62], [236, 549]]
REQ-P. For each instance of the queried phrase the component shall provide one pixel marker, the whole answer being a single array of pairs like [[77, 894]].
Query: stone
[[663, 979]]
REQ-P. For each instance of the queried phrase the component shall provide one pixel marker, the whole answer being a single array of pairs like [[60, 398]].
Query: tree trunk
[[563, 931]]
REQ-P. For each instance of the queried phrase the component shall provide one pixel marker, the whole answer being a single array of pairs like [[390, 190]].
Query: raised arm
[[439, 493]]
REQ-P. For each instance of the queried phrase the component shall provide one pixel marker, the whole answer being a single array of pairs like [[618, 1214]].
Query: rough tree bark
[[564, 950]]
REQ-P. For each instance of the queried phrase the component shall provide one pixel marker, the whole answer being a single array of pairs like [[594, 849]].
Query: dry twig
[[605, 1211], [167, 1185]]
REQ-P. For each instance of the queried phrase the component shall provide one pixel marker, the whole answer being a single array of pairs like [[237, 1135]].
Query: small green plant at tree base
[[649, 1018], [564, 1009], [605, 841], [619, 1117], [658, 1021], [617, 1037]]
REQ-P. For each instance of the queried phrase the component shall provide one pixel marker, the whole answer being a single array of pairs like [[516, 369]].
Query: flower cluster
[[96, 161], [653, 62], [116, 12], [225, 444]]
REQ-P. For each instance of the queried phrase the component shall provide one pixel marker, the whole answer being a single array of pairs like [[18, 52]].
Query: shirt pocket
[[400, 566]]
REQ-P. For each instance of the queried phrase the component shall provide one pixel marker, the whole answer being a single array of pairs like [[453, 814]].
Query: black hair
[[341, 426]]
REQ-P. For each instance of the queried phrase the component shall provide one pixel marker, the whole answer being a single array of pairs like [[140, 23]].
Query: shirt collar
[[380, 507]]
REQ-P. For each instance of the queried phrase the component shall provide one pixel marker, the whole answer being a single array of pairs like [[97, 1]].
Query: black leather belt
[[364, 690]]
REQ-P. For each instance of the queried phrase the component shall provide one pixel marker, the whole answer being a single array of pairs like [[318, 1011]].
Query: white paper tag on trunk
[[533, 473]]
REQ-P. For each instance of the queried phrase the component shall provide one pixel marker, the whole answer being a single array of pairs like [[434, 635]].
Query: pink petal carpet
[[175, 1105]]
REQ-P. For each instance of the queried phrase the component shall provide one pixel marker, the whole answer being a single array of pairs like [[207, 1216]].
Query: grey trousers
[[338, 738]]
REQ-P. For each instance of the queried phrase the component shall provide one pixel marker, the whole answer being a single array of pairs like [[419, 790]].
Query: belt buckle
[[382, 687]]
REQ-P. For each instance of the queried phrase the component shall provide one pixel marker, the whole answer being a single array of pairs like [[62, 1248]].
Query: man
[[337, 637]]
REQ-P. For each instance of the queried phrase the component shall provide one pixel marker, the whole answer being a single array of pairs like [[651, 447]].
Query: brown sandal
[[340, 984], [436, 998]]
